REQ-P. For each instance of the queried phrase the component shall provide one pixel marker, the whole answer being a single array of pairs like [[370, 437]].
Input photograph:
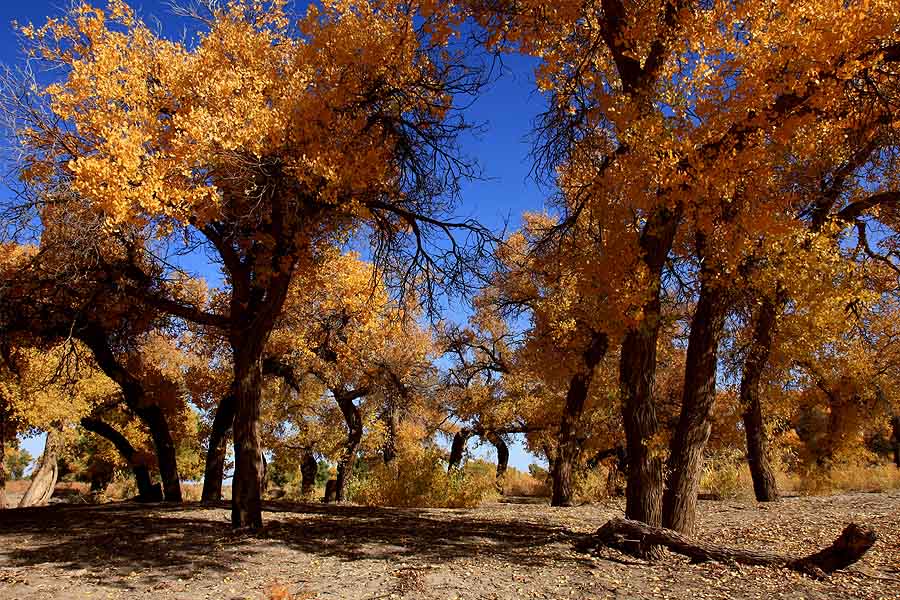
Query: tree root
[[629, 536]]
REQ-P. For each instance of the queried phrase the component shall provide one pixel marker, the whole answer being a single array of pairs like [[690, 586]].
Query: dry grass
[[519, 483]]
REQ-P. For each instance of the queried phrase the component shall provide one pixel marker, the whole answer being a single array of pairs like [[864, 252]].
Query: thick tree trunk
[[214, 471], [4, 502], [458, 448], [146, 490], [637, 378], [502, 457], [309, 468], [43, 481], [628, 535], [246, 500], [698, 400], [354, 436], [568, 447], [764, 485], [150, 414], [895, 438]]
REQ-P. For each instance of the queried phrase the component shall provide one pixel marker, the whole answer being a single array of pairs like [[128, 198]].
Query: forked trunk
[[637, 378], [698, 400], [458, 448], [43, 481], [246, 501], [764, 486], [214, 471], [568, 448], [309, 468], [352, 417], [146, 490]]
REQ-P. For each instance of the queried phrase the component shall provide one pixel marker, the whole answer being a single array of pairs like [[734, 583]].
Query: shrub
[[517, 483], [725, 474], [420, 479]]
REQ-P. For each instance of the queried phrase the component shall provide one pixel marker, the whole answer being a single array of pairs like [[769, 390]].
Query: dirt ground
[[502, 550]]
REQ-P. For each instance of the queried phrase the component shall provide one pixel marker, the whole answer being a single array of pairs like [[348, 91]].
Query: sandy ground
[[501, 550]]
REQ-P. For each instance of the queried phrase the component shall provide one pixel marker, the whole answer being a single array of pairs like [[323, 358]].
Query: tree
[[645, 105], [270, 137]]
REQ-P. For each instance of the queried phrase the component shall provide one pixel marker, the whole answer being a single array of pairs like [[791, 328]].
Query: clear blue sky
[[506, 109]]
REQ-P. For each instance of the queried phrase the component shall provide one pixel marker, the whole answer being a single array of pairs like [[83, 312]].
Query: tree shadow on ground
[[145, 544]]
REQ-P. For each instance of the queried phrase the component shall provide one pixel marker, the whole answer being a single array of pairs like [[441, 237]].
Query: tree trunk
[[764, 485], [309, 468], [214, 471], [458, 448], [502, 457], [637, 378], [4, 502], [627, 535], [895, 438], [391, 417], [43, 481], [146, 490], [150, 414], [698, 400], [246, 501], [353, 419], [568, 447], [166, 455]]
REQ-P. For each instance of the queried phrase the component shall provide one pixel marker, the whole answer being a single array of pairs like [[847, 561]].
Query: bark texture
[[698, 399], [147, 492], [764, 486], [637, 378], [568, 447], [214, 471], [246, 498], [43, 481], [627, 535]]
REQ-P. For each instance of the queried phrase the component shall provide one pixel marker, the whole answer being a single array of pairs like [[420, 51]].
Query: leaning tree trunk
[[309, 468], [637, 378], [458, 448], [764, 486], [353, 419], [568, 447], [166, 454], [627, 535], [43, 481], [214, 471], [246, 500], [4, 502], [146, 489], [502, 457], [695, 422], [150, 414]]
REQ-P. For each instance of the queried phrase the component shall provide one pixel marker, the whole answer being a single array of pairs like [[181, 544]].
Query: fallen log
[[630, 536]]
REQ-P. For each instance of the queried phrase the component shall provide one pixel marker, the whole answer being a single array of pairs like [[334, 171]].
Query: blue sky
[[506, 110]]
